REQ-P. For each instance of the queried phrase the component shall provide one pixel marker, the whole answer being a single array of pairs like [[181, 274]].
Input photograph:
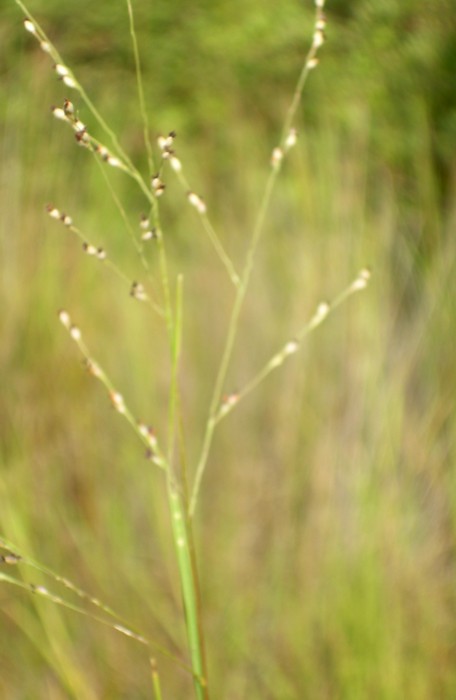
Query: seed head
[[29, 26], [53, 212], [101, 254], [89, 249], [165, 142], [144, 223], [291, 347], [11, 558], [77, 125], [196, 201], [117, 401], [318, 39], [291, 139], [40, 589], [156, 182], [137, 291], [69, 81], [102, 152], [175, 164], [61, 70], [362, 280], [312, 63], [276, 157], [92, 367], [149, 235], [82, 137], [149, 433], [75, 333], [66, 220], [68, 107], [322, 310], [64, 318], [113, 161], [231, 399], [59, 113]]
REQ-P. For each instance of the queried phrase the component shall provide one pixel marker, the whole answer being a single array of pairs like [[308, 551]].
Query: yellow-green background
[[326, 524]]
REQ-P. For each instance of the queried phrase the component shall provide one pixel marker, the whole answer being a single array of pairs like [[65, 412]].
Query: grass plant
[[326, 552]]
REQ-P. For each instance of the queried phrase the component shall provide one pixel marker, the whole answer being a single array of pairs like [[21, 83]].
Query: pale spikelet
[[137, 291], [78, 125], [231, 400], [148, 433], [75, 333], [228, 402], [59, 113], [291, 139], [276, 157], [101, 254], [102, 152], [66, 220], [64, 318], [69, 81], [61, 70], [362, 280], [68, 107], [312, 63], [175, 164], [318, 39], [29, 26], [149, 235], [93, 368], [165, 142], [53, 212], [157, 185], [89, 249], [144, 223], [40, 589], [117, 401], [291, 347], [82, 137], [196, 201], [113, 161], [56, 214], [11, 558], [322, 311]]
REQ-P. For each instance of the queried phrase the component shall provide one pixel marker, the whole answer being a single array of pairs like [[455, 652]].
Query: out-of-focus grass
[[326, 524]]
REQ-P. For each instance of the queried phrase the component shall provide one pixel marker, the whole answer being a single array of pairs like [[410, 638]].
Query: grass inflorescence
[[163, 292]]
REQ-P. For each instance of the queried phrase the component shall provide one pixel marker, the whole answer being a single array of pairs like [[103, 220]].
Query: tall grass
[[324, 525]]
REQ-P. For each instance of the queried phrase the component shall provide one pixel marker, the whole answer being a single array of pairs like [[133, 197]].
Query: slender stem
[[189, 589], [155, 680], [175, 356], [250, 256], [43, 592], [292, 346], [182, 533], [139, 81]]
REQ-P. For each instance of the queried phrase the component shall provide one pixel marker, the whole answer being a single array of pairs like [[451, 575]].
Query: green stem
[[182, 532], [182, 541], [245, 278]]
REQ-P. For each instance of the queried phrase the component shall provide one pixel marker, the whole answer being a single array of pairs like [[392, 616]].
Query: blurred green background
[[326, 526]]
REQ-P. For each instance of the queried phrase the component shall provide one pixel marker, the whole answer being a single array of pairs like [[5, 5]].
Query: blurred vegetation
[[326, 531]]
